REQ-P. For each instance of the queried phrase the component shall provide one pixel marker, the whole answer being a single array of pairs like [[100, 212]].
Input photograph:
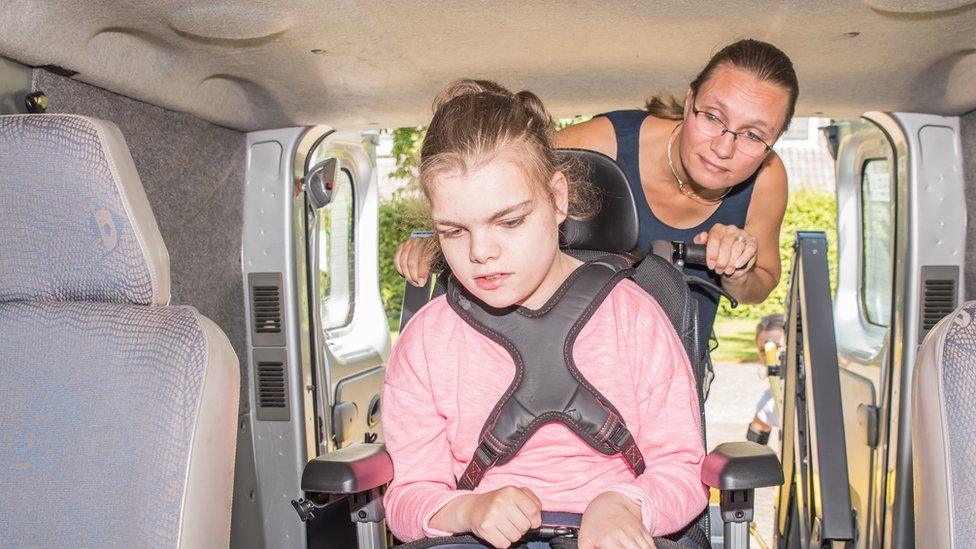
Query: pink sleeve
[[670, 491], [414, 432]]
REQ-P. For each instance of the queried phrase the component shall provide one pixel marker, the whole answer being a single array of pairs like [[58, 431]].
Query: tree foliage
[[397, 219], [406, 151]]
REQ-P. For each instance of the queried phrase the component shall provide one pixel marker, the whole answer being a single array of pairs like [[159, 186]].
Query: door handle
[[343, 416], [867, 419], [373, 412]]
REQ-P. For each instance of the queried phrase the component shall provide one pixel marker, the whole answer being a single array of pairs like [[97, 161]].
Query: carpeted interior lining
[[967, 127]]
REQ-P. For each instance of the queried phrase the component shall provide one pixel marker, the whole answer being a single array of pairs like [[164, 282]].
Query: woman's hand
[[500, 517], [729, 250], [613, 521], [414, 257]]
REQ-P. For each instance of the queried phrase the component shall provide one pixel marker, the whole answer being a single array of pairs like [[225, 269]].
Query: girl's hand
[[613, 521], [729, 250], [503, 516], [500, 517], [414, 257]]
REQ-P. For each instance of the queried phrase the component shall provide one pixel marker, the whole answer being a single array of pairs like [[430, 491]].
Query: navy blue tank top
[[732, 211]]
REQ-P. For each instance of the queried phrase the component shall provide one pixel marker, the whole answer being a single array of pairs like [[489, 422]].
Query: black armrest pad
[[353, 469], [741, 466]]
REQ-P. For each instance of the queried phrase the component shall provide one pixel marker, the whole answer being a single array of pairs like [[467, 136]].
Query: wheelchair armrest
[[741, 466], [354, 469]]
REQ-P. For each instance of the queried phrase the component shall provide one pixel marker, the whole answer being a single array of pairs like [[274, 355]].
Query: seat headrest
[[75, 223], [614, 228]]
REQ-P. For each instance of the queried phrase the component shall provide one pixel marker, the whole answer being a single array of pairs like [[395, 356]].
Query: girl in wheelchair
[[497, 195]]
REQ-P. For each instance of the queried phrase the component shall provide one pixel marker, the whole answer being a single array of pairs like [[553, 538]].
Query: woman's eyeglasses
[[745, 142]]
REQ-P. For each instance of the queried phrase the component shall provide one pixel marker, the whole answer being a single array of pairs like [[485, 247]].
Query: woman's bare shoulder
[[595, 134], [772, 177], [769, 198]]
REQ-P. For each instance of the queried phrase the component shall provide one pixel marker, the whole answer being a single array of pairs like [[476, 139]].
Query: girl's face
[[499, 232], [744, 104]]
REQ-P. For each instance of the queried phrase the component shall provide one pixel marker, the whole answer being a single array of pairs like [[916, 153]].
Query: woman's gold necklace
[[682, 187]]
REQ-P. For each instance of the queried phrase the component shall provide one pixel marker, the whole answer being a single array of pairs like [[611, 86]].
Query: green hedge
[[398, 217], [807, 210]]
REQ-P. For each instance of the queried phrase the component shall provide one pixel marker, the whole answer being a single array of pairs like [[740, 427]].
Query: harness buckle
[[619, 438], [486, 454]]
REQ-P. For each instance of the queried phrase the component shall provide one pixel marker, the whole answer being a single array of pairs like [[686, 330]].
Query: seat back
[[944, 432], [615, 229], [118, 417]]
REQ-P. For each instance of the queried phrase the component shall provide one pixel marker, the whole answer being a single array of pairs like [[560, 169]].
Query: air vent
[[939, 293], [940, 300], [267, 310], [271, 384]]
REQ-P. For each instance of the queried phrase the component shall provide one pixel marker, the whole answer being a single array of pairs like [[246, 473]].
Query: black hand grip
[[679, 252], [695, 254]]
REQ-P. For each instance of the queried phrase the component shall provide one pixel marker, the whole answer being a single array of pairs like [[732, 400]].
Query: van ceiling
[[265, 64]]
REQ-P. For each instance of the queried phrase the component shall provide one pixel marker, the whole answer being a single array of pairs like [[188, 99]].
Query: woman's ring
[[740, 238]]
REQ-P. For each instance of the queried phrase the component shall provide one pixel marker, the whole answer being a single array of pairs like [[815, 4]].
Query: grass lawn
[[736, 340]]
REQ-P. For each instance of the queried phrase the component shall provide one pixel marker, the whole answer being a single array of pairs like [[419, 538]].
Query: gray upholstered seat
[[117, 412], [944, 433]]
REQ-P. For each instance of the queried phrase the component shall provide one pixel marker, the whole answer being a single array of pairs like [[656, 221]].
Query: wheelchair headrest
[[614, 227], [75, 223]]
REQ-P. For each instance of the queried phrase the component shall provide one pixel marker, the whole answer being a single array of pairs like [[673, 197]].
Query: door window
[[336, 255], [877, 244]]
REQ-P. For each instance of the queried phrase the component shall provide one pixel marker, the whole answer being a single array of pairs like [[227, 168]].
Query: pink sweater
[[444, 378]]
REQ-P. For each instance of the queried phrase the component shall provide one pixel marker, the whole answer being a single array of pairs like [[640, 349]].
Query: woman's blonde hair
[[478, 121]]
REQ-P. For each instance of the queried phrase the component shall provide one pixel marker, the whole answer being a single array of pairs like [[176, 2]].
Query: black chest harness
[[548, 387]]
